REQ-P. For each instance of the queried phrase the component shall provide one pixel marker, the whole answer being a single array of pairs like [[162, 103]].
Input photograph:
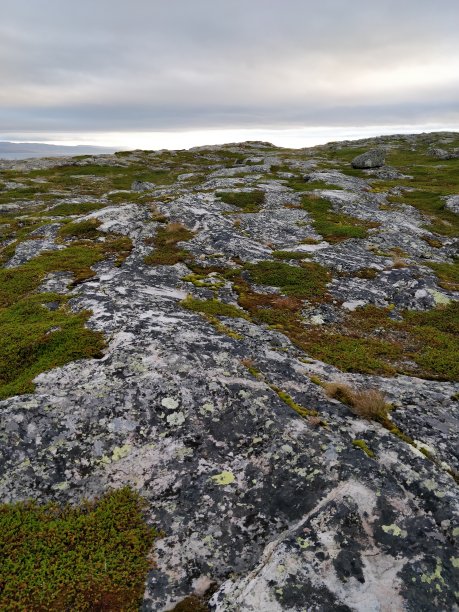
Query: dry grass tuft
[[366, 403], [398, 262]]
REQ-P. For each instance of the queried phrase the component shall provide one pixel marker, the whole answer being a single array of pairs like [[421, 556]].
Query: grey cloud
[[146, 65]]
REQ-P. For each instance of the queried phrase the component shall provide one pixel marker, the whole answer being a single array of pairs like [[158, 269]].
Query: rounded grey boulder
[[374, 158]]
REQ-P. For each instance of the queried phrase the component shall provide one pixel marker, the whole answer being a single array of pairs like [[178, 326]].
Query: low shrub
[[80, 558]]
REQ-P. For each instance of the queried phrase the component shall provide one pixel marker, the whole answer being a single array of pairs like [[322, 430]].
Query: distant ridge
[[24, 150]]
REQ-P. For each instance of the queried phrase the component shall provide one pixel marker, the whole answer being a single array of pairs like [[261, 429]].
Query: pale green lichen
[[119, 452], [169, 402], [303, 543], [363, 446], [394, 530], [439, 298], [436, 575], [61, 486], [455, 562], [175, 419], [224, 478]]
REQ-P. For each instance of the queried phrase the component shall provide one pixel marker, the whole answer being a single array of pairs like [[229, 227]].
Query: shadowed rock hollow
[[177, 321]]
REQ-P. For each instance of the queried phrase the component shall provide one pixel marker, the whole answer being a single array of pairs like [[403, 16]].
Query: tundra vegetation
[[304, 271]]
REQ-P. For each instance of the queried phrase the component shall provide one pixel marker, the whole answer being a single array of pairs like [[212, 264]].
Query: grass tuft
[[366, 403]]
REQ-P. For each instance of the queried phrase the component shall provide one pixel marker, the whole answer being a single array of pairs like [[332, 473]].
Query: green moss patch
[[368, 341], [285, 397], [248, 201], [213, 308], [77, 258], [307, 281], [165, 242], [80, 229], [424, 344], [363, 446], [80, 208], [88, 557], [34, 339], [448, 274], [300, 184], [290, 255], [334, 227]]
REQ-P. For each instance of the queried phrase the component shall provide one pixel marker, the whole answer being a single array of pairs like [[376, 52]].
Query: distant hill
[[23, 150]]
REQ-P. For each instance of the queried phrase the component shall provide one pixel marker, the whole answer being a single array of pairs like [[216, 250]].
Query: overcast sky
[[108, 69]]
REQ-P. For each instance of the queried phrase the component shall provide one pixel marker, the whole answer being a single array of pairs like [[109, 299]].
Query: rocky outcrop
[[211, 396], [374, 158]]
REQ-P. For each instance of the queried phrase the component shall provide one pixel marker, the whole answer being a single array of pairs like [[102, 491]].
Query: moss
[[192, 603], [250, 201], [424, 344], [77, 258], [433, 242], [34, 339], [363, 446], [290, 255], [214, 308], [334, 227], [202, 280], [250, 366], [285, 397], [165, 242], [300, 184], [88, 557], [430, 182], [448, 274], [80, 229], [78, 208], [368, 273], [307, 281]]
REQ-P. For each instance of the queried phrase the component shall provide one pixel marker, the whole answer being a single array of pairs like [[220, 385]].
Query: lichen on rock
[[204, 302]]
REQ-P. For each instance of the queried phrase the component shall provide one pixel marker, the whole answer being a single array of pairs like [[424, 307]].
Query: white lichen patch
[[175, 419], [170, 403]]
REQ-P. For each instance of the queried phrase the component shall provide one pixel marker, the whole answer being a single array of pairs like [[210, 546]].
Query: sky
[[181, 73]]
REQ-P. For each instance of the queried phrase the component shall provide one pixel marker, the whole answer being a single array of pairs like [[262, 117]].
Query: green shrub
[[306, 281], [90, 557], [249, 201], [166, 252], [34, 339], [80, 229]]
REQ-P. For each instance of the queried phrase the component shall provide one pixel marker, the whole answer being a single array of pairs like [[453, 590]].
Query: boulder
[[442, 153], [374, 158], [452, 203], [142, 186]]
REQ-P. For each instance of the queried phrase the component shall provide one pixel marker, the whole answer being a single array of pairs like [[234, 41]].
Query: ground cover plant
[[166, 250], [94, 556]]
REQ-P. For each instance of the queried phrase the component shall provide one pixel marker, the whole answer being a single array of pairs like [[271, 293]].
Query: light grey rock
[[452, 203], [374, 158], [142, 186]]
